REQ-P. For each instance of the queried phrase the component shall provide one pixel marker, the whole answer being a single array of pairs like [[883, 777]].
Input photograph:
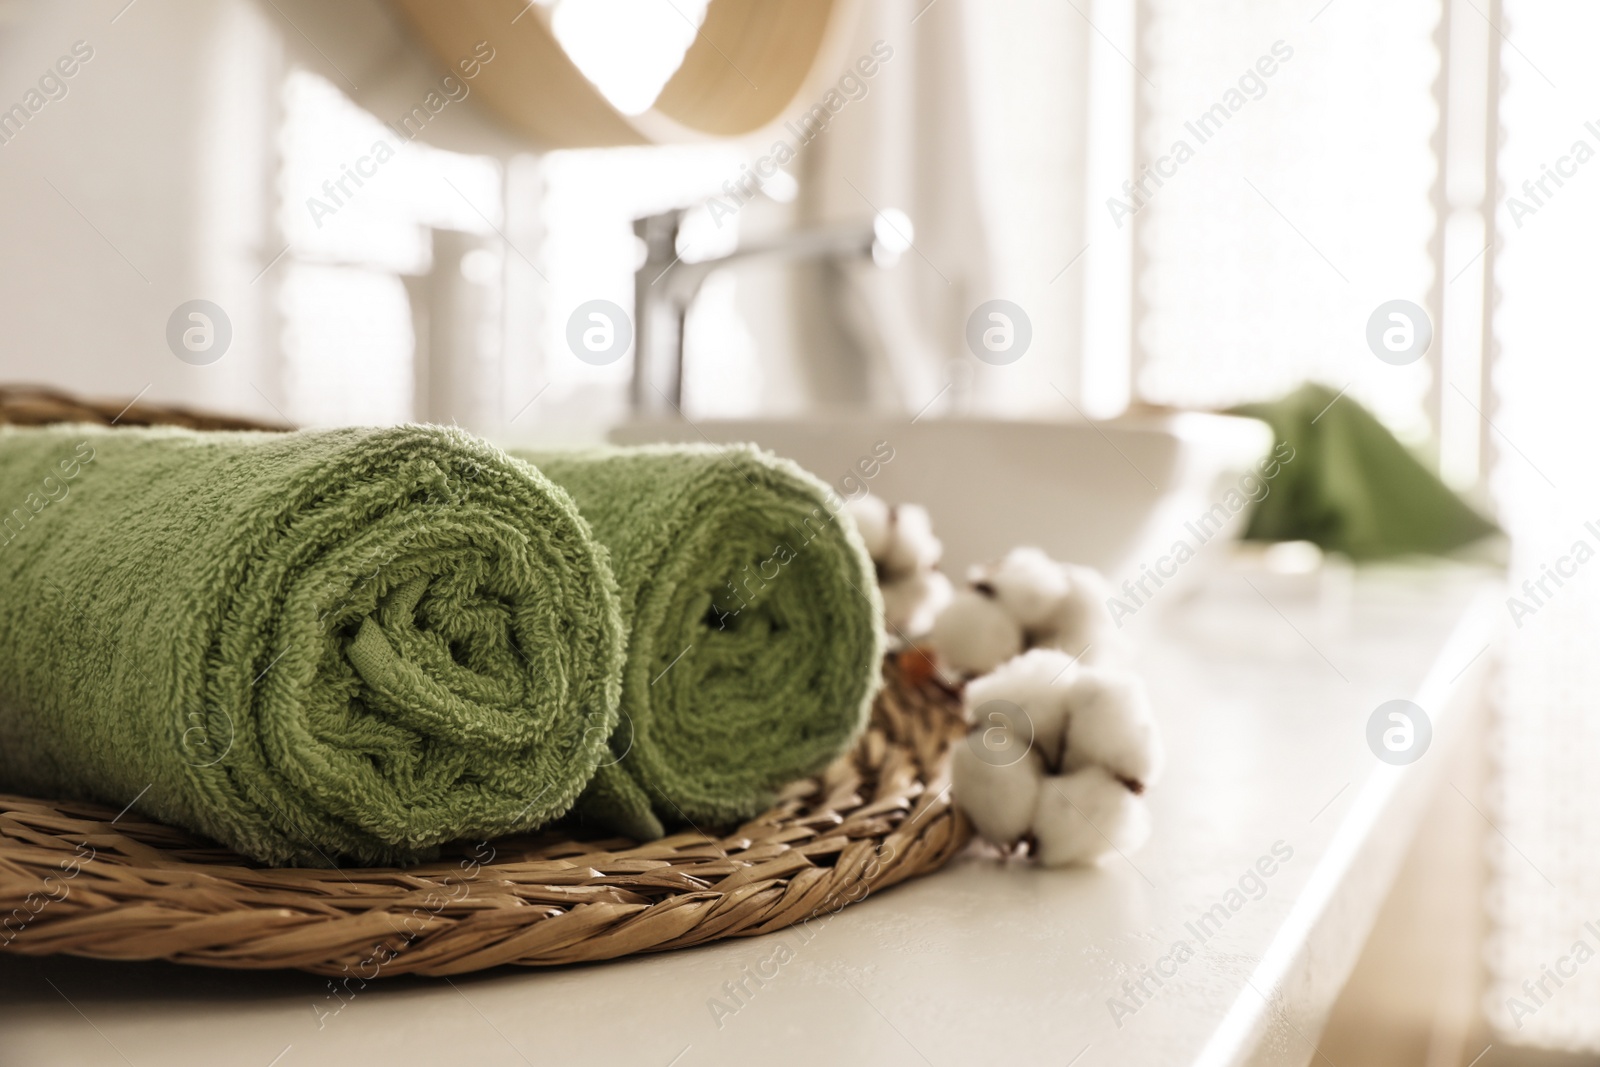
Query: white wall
[[164, 157]]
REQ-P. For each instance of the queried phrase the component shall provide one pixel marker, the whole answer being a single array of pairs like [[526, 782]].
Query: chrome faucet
[[665, 287]]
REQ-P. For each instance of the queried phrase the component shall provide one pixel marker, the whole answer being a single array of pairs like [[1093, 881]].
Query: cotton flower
[[912, 546], [1029, 585], [911, 604], [905, 553], [974, 634], [1092, 749], [999, 797], [872, 519], [1033, 682], [1085, 816], [1080, 622], [1109, 724], [1052, 605]]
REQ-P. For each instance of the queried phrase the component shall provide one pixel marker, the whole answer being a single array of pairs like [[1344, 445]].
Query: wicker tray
[[88, 880], [83, 879]]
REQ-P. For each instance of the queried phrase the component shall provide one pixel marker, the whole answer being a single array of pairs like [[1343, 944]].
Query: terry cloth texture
[[754, 628], [310, 646], [1352, 487]]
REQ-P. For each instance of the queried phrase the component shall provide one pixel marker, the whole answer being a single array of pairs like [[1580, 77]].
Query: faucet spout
[[665, 286]]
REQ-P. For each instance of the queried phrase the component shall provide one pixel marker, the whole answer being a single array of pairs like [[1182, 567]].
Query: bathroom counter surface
[[1224, 941]]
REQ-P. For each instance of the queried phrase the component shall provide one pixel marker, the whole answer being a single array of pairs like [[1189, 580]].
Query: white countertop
[[1263, 697]]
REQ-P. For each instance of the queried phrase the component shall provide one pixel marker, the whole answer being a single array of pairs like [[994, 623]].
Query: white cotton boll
[[911, 604], [912, 546], [1088, 584], [1028, 584], [1109, 723], [1036, 682], [1086, 816], [1081, 620], [974, 635], [1000, 797], [871, 515], [1104, 648]]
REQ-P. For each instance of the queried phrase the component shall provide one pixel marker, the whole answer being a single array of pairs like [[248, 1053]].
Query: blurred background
[[321, 213]]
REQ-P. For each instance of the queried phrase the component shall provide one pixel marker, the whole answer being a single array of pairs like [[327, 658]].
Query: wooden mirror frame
[[750, 62]]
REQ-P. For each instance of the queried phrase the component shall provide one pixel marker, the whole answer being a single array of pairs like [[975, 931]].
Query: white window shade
[[1545, 863], [347, 345], [1306, 202], [359, 204], [587, 250]]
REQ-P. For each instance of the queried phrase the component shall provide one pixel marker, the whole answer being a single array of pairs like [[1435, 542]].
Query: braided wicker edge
[[82, 879], [40, 405]]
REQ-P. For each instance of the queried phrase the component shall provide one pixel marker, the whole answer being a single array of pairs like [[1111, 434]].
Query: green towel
[[1352, 487], [309, 646], [754, 628]]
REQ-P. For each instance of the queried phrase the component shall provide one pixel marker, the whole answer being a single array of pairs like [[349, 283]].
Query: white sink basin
[[1114, 494]]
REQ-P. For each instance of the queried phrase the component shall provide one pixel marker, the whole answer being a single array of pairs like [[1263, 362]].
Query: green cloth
[[1351, 487], [344, 644], [755, 628]]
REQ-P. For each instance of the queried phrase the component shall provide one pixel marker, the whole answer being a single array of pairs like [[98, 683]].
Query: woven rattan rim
[[40, 405], [87, 880]]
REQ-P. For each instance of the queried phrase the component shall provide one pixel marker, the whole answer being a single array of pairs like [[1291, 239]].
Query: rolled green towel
[[754, 628], [309, 646]]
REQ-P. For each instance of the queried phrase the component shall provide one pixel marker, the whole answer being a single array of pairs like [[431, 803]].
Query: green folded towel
[[1352, 487], [754, 628], [352, 643]]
